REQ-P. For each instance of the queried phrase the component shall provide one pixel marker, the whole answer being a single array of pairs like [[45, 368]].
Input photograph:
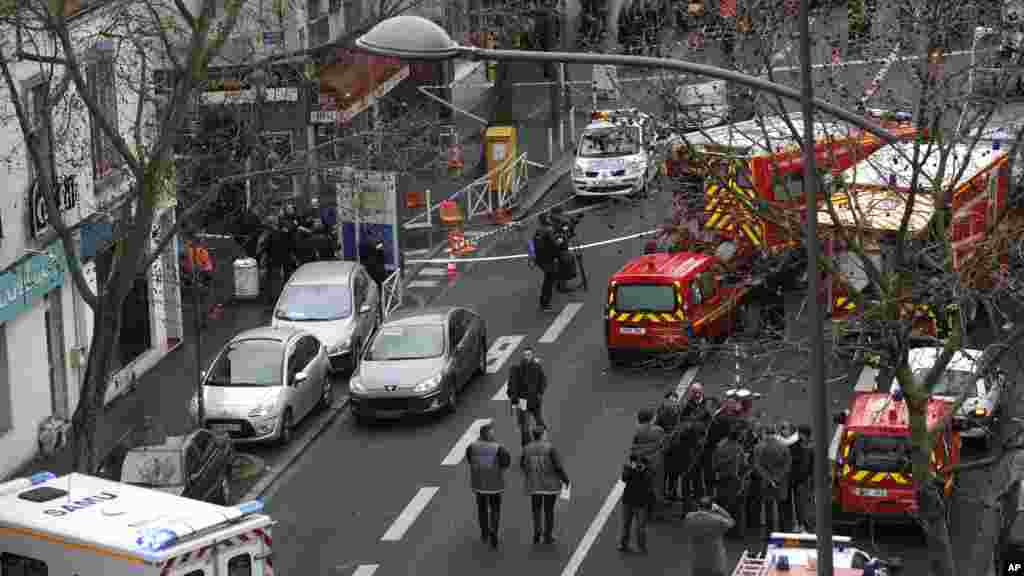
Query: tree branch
[[53, 60]]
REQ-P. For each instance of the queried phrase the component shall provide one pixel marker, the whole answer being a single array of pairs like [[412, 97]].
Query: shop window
[[103, 85], [5, 384]]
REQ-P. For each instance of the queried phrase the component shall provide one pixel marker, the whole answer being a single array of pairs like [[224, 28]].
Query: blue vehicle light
[[251, 507], [156, 539], [40, 477]]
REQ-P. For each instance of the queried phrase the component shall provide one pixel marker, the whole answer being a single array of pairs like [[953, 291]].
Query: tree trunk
[[89, 412]]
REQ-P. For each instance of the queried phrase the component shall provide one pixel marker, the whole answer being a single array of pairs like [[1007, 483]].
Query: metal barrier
[[393, 292], [497, 189]]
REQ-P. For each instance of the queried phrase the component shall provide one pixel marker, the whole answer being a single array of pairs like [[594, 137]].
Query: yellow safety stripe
[[623, 317], [668, 317], [611, 314], [933, 457], [73, 545], [846, 451], [900, 478], [879, 477], [754, 237], [846, 469], [858, 476], [680, 314], [844, 303], [653, 318]]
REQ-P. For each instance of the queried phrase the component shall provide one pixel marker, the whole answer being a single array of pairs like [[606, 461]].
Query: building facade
[[45, 323]]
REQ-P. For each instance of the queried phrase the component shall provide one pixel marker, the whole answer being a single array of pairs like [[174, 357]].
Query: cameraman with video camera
[[564, 231]]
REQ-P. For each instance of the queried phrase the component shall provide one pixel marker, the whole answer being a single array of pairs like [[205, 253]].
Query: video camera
[[565, 225]]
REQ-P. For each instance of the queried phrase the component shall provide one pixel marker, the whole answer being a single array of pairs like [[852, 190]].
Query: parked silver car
[[337, 301], [981, 402], [263, 382], [419, 362]]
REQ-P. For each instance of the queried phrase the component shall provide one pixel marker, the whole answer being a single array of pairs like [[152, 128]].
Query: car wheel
[[225, 492], [328, 396], [482, 368], [615, 358], [452, 403], [284, 436]]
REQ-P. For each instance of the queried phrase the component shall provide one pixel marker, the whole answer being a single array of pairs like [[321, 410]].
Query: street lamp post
[[415, 38]]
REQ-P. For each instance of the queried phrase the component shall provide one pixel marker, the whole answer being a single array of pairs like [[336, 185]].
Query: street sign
[[323, 117], [605, 82]]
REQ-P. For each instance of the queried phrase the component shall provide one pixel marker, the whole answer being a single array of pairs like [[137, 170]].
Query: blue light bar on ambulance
[[253, 507], [156, 539], [897, 115], [40, 477], [794, 540]]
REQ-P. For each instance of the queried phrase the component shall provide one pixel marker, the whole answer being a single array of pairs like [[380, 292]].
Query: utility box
[[501, 149]]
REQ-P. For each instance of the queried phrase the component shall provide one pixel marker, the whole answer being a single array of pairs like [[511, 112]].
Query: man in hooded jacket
[[705, 528]]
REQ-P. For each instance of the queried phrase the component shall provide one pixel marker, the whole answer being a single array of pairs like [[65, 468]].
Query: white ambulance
[[616, 154], [79, 525]]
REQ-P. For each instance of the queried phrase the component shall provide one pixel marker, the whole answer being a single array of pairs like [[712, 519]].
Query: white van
[[80, 525], [710, 104]]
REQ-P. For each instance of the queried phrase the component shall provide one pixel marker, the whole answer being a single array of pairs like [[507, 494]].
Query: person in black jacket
[[526, 386], [637, 501], [802, 453], [546, 257]]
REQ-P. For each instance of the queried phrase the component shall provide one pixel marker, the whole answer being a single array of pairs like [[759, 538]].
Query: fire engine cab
[[871, 452], [663, 301]]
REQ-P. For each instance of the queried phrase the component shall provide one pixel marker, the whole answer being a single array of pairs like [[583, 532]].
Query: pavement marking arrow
[[458, 452], [594, 530], [412, 511], [366, 569], [500, 351], [559, 324]]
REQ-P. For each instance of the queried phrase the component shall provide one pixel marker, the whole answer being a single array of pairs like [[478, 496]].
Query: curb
[[261, 487]]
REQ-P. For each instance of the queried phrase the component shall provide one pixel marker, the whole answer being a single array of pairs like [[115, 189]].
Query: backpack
[[540, 248]]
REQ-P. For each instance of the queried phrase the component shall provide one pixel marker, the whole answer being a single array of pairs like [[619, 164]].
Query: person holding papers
[[526, 385]]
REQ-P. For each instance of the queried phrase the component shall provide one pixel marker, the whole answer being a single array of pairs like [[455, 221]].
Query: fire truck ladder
[[751, 566]]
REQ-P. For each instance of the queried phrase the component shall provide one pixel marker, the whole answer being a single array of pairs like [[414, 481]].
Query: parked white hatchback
[[337, 301], [263, 382]]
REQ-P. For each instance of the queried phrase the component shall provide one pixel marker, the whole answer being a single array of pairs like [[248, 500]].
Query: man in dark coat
[[730, 475], [376, 265], [668, 418], [546, 257], [705, 529], [802, 454], [637, 501], [488, 460], [774, 464], [526, 386], [278, 248], [649, 443], [545, 479]]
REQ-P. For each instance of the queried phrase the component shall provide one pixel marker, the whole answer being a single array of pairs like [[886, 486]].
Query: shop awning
[[358, 79]]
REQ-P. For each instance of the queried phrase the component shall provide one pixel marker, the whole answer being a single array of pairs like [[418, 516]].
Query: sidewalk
[[164, 392]]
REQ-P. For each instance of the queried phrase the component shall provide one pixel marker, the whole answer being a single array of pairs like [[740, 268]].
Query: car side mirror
[[300, 377]]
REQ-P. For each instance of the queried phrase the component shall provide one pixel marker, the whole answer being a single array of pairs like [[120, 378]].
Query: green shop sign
[[30, 279]]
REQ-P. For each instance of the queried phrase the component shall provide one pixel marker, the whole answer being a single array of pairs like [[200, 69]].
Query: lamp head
[[409, 37]]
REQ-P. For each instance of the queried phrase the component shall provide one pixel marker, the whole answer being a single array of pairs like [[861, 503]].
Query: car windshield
[[644, 298], [881, 453], [407, 343], [153, 468], [951, 383], [255, 362], [314, 302], [610, 142]]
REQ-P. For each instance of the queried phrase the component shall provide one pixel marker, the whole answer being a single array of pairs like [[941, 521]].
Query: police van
[[82, 525], [616, 154]]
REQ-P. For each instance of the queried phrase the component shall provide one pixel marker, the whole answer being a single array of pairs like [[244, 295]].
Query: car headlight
[[355, 384], [980, 411], [263, 410], [578, 170], [430, 384], [634, 166]]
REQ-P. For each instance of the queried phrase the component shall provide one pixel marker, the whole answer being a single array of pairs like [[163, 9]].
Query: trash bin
[[247, 278]]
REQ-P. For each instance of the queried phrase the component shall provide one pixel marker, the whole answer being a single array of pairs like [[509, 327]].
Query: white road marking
[[502, 392], [500, 351], [434, 272], [424, 284], [458, 452], [739, 367], [684, 382], [366, 569], [594, 530], [559, 324], [417, 252], [409, 514]]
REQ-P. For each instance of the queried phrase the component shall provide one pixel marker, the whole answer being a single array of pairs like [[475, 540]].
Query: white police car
[[615, 155]]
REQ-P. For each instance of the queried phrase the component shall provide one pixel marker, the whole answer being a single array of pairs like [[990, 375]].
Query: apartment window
[[102, 80], [335, 6], [5, 384]]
